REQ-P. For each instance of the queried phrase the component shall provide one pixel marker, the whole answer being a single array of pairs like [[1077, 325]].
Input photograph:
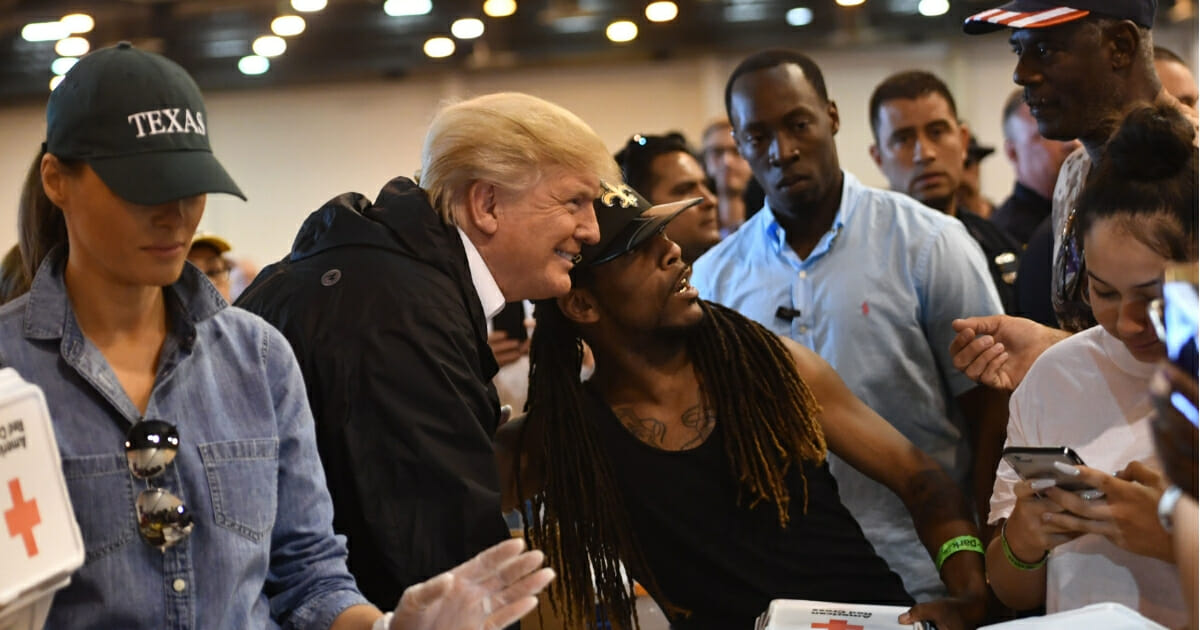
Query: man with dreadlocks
[[695, 455]]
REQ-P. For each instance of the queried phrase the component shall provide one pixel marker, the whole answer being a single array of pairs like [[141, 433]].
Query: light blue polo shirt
[[875, 299]]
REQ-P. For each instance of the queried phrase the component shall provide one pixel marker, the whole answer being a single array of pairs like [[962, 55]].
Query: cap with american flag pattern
[[1043, 14]]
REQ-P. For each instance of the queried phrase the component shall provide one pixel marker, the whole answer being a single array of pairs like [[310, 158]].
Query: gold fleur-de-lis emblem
[[614, 194]]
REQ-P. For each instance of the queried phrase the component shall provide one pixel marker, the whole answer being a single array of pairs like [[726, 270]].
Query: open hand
[[997, 350], [488, 592], [505, 348]]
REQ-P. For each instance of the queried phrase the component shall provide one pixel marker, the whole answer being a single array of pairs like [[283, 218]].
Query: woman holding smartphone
[[186, 439], [1063, 549]]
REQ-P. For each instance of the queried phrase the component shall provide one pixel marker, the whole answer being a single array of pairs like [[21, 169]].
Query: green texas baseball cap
[[139, 121]]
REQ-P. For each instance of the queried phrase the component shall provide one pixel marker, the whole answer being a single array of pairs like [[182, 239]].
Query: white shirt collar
[[490, 297]]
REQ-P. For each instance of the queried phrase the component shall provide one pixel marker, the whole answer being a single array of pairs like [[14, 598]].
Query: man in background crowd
[[922, 149], [1036, 161], [738, 195], [208, 253], [969, 192], [869, 280], [1176, 76], [664, 169]]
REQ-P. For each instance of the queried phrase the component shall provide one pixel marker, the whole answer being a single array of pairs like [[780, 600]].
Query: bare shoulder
[[809, 364]]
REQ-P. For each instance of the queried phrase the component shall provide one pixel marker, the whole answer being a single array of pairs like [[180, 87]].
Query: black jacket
[[1003, 255], [378, 304]]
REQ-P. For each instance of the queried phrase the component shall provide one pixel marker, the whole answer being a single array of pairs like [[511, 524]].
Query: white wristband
[[1166, 507], [383, 623]]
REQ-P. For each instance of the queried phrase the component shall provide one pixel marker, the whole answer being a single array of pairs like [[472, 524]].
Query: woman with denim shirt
[[186, 438]]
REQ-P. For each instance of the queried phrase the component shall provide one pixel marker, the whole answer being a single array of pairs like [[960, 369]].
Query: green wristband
[[957, 544], [1012, 557]]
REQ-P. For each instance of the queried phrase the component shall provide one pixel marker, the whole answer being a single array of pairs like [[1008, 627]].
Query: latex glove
[[488, 592]]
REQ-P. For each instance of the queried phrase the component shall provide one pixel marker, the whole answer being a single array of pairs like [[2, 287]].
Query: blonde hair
[[508, 139]]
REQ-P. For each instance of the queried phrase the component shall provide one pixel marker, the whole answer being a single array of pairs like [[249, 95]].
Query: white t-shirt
[[1088, 392]]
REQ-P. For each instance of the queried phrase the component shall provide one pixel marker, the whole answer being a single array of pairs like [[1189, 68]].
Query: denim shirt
[[875, 299], [263, 553]]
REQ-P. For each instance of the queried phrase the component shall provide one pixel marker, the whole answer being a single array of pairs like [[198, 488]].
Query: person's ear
[[480, 207], [1010, 151], [55, 180], [1121, 40], [875, 157], [835, 120], [579, 306], [964, 136]]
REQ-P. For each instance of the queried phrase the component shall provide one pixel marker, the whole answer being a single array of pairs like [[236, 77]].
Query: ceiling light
[[253, 64], [933, 8], [78, 23], [499, 8], [55, 81], [72, 47], [396, 8], [269, 46], [748, 12], [287, 25], [308, 6], [467, 28], [800, 16], [439, 47], [44, 31], [849, 3], [63, 64], [621, 31], [661, 11]]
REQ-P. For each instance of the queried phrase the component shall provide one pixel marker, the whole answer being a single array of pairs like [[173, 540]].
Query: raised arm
[[938, 507]]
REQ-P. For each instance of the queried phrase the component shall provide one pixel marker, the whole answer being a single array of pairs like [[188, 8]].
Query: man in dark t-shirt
[[695, 454]]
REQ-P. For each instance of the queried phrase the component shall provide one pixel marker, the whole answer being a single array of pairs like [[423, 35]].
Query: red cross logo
[[837, 624], [22, 517]]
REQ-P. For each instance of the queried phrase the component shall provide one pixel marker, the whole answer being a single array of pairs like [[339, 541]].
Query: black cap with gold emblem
[[626, 220]]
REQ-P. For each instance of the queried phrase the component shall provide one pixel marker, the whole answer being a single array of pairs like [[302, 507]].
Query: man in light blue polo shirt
[[870, 280]]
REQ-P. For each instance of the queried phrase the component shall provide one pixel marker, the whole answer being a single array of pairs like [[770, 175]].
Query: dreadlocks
[[767, 417]]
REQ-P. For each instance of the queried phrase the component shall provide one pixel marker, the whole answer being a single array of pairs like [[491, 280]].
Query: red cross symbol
[[22, 517], [837, 624]]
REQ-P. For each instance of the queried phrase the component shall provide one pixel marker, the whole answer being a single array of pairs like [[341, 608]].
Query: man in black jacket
[[385, 304]]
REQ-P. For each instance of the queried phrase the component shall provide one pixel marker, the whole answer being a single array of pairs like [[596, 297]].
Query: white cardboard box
[[802, 614], [40, 542], [1106, 616]]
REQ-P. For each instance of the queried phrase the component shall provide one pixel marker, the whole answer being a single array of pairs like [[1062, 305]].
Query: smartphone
[[1178, 326], [1037, 462]]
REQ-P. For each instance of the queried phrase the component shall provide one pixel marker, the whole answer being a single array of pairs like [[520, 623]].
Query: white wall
[[291, 149]]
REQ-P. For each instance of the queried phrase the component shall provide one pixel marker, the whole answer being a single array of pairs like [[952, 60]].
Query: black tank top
[[723, 561]]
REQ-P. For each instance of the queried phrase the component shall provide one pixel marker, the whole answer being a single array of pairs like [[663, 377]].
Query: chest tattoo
[[693, 427]]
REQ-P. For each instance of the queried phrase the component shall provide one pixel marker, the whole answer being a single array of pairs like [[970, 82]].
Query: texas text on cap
[[139, 121], [1047, 13], [626, 220]]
